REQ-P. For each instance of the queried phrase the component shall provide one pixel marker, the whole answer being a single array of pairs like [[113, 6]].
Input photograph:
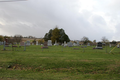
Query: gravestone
[[32, 43], [49, 43], [118, 46], [74, 44], [88, 44], [14, 43], [45, 45], [99, 45], [6, 40], [4, 45], [22, 43], [0, 43], [55, 43], [78, 43], [65, 44], [103, 44], [70, 44], [27, 43], [110, 45], [36, 42]]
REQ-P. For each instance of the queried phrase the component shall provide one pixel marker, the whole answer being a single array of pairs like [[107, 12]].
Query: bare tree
[[17, 38], [85, 40], [105, 40]]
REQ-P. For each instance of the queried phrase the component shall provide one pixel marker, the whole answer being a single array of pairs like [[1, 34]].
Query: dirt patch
[[0, 67], [114, 66], [79, 60]]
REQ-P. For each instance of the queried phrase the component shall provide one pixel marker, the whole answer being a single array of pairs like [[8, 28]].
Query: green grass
[[59, 63]]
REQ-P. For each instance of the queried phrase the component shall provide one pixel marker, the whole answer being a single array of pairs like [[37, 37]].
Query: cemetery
[[59, 40], [65, 62], [56, 57]]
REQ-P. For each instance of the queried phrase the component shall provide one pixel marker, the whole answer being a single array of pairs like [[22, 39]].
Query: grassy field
[[59, 63]]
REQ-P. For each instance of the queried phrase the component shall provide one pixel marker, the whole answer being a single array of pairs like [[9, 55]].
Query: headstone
[[55, 43], [32, 43], [14, 43], [36, 42], [4, 45], [118, 46], [65, 44], [78, 43], [70, 44], [74, 44], [28, 43], [99, 45], [22, 44], [0, 43], [62, 44], [103, 44], [88, 44], [110, 45], [6, 40], [45, 45], [49, 43]]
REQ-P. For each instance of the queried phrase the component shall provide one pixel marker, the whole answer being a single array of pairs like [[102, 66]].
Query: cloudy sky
[[91, 18]]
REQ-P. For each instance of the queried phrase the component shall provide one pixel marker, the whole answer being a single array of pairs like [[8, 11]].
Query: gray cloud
[[37, 17]]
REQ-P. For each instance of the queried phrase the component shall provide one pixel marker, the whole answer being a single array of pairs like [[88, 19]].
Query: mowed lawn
[[59, 63]]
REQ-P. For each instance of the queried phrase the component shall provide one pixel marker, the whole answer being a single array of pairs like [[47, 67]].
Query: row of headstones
[[49, 43], [70, 44], [22, 43]]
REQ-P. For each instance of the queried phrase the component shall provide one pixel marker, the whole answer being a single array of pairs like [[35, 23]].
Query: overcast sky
[[91, 18]]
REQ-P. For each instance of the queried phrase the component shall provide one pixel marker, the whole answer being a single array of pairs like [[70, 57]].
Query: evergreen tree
[[56, 35], [48, 35]]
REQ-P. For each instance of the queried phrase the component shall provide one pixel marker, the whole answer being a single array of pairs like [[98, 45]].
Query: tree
[[6, 37], [34, 41], [1, 38], [94, 42], [41, 41], [17, 38], [55, 35], [113, 42], [48, 35], [63, 37], [105, 40], [85, 40]]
